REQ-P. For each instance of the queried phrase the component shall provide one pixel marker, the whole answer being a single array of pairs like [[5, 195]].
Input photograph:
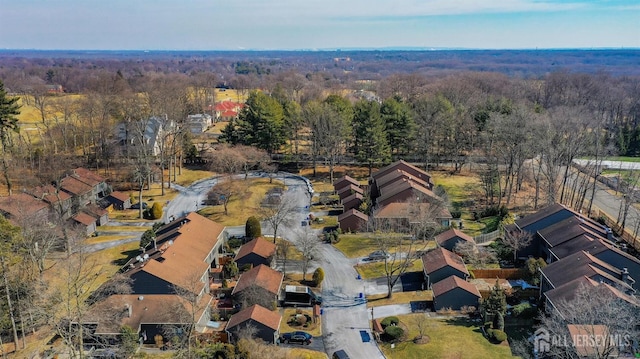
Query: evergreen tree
[[230, 133], [9, 109], [370, 140], [399, 125], [496, 302], [261, 123], [252, 228]]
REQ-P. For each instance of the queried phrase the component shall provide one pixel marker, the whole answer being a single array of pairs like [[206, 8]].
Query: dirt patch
[[421, 340]]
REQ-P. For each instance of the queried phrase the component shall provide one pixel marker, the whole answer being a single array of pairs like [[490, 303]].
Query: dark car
[[340, 354], [296, 337], [137, 205], [378, 255]]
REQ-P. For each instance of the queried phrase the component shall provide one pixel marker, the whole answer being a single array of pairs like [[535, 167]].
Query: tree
[[533, 266], [496, 302], [517, 240], [9, 109], [227, 190], [9, 238], [281, 213], [156, 210], [370, 144], [599, 313], [307, 242], [399, 125], [318, 276], [283, 247], [255, 294], [252, 228], [261, 123]]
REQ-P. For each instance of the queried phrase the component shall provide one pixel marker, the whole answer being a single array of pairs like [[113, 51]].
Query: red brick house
[[352, 220]]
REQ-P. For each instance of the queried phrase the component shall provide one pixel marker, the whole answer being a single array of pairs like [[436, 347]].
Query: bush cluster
[[389, 321], [496, 335]]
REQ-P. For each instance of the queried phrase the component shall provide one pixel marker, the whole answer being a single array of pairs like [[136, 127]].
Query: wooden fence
[[504, 273], [487, 237], [626, 236]]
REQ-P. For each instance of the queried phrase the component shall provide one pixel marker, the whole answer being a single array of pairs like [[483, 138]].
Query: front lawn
[[379, 300], [376, 269], [448, 338], [312, 328], [361, 244]]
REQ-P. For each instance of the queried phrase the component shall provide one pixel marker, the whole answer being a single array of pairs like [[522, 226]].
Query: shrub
[[156, 211], [472, 275], [524, 310], [252, 228], [147, 237], [393, 333], [498, 321], [235, 243], [389, 321], [456, 213], [318, 276], [497, 335]]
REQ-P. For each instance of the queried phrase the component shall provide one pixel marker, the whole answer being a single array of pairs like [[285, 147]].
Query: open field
[[379, 300], [241, 208], [448, 338]]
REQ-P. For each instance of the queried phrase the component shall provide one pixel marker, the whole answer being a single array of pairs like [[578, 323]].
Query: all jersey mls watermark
[[585, 340]]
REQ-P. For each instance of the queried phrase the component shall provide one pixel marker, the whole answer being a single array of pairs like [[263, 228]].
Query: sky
[[314, 24]]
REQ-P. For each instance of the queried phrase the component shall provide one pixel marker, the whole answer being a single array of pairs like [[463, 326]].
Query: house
[[85, 221], [265, 322], [450, 238], [399, 175], [227, 110], [199, 123], [403, 215], [147, 135], [119, 200], [148, 315], [406, 168], [353, 201], [60, 201], [583, 264], [440, 263], [344, 182], [347, 191], [21, 206], [574, 231], [582, 336], [263, 277], [256, 252], [454, 293], [174, 267], [98, 184], [405, 190], [352, 220], [101, 215], [81, 193]]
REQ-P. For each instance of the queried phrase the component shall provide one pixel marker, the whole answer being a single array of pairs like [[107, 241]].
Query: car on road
[[340, 354], [296, 337], [137, 205], [377, 255]]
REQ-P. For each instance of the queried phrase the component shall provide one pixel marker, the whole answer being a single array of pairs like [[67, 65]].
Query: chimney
[[155, 244], [609, 233], [626, 277], [128, 309]]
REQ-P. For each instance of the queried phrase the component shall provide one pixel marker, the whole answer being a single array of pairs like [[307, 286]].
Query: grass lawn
[[299, 353], [449, 338], [109, 238], [189, 176], [122, 228], [376, 270], [327, 221], [398, 298], [459, 187], [314, 329], [239, 209]]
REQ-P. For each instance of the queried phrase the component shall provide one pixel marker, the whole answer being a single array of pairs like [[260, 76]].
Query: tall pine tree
[[370, 145], [9, 109]]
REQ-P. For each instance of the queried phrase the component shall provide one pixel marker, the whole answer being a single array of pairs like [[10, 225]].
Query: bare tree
[[283, 247], [227, 190], [307, 242], [280, 213], [255, 294], [517, 240], [604, 319]]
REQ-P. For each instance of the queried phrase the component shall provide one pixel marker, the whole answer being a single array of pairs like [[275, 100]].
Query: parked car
[[296, 337], [137, 205], [375, 255], [340, 354]]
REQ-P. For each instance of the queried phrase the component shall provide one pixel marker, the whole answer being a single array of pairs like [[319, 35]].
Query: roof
[[399, 164], [570, 228], [355, 196], [397, 175], [182, 249], [344, 180], [586, 348], [440, 258], [145, 309], [402, 185], [417, 211], [84, 218], [21, 204], [530, 219], [89, 177], [74, 186], [351, 187], [567, 291], [453, 233], [257, 313], [452, 282], [578, 265], [228, 106], [259, 246], [585, 243], [95, 210], [261, 276], [121, 196], [50, 194], [352, 213]]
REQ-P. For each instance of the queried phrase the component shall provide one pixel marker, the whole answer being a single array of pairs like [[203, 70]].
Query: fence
[[624, 235], [487, 237], [504, 273]]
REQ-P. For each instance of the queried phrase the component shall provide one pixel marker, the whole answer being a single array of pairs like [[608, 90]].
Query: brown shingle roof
[[259, 246], [398, 175], [400, 186], [119, 196], [453, 233], [21, 204], [396, 165], [84, 218], [451, 283], [348, 190], [49, 194], [567, 291], [353, 212], [440, 258], [95, 210], [75, 186], [259, 314], [417, 211], [578, 265], [86, 176], [344, 181], [261, 276]]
